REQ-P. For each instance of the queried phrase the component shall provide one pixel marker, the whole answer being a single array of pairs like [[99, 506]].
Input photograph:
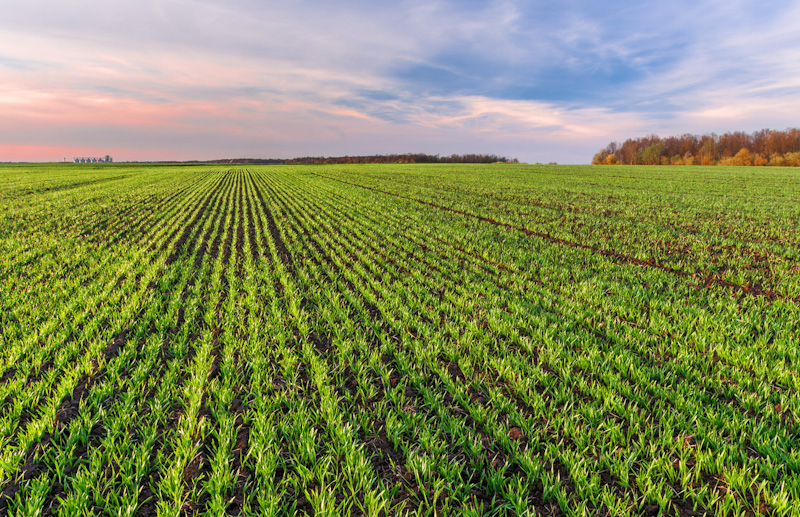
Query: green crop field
[[391, 340]]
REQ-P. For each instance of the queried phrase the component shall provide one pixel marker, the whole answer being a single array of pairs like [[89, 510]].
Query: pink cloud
[[76, 108], [58, 153]]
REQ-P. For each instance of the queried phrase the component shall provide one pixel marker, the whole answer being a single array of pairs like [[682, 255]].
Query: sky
[[540, 81]]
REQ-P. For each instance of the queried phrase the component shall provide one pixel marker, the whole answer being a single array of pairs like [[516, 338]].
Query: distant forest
[[765, 147], [378, 158]]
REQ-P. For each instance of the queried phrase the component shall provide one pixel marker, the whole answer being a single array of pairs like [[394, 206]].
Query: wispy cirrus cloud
[[540, 81]]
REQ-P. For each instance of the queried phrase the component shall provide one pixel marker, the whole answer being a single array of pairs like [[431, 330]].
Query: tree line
[[378, 158], [764, 147]]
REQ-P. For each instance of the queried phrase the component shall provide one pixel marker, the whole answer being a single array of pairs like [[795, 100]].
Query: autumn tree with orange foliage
[[761, 148]]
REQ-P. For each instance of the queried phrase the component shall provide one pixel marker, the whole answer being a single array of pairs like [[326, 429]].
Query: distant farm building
[[104, 159]]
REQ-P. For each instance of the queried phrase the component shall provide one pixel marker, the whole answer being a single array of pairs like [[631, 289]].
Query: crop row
[[329, 340]]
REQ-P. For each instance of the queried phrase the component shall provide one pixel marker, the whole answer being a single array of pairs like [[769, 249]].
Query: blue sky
[[541, 81]]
